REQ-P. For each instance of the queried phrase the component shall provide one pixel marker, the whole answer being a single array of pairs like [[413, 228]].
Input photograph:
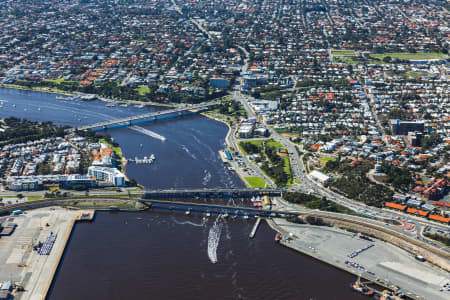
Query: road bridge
[[150, 117], [217, 209], [211, 193]]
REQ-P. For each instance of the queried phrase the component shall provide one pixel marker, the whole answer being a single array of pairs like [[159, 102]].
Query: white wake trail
[[213, 239]]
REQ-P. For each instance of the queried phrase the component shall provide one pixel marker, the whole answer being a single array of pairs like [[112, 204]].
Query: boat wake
[[148, 133], [214, 238], [188, 152], [206, 178], [190, 223]]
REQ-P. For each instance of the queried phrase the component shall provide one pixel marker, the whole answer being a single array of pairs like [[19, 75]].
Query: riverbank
[[103, 99], [229, 145]]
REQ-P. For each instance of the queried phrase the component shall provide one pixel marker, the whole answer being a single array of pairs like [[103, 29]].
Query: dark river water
[[159, 255]]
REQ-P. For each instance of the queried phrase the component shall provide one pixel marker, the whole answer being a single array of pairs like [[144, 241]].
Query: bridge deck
[[212, 193], [128, 121], [216, 208]]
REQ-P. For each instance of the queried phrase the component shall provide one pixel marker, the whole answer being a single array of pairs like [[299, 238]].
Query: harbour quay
[[381, 264], [30, 255]]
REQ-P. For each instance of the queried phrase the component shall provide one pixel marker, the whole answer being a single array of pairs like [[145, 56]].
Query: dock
[[87, 215], [255, 228]]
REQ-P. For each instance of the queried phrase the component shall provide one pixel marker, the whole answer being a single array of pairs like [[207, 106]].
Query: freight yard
[[29, 256], [381, 263]]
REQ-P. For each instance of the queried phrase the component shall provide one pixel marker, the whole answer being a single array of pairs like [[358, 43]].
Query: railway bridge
[[211, 193]]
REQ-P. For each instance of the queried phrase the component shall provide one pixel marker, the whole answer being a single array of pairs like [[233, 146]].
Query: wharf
[[332, 246], [26, 267]]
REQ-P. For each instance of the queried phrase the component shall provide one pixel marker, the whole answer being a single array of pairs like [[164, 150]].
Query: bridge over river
[[212, 193], [218, 209], [150, 117]]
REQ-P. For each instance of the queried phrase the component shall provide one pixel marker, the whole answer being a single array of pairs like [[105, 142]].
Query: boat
[[39, 109], [123, 105], [110, 105], [246, 217], [358, 287], [277, 237], [188, 212], [13, 105], [208, 214], [88, 97], [152, 157]]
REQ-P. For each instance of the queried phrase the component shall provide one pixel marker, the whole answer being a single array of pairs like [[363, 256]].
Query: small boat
[[123, 105], [188, 212], [277, 237], [246, 217], [356, 286], [13, 105], [208, 214], [110, 105], [39, 109], [25, 109], [225, 215]]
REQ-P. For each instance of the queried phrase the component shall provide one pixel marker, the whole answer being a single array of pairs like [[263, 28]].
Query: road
[[308, 185]]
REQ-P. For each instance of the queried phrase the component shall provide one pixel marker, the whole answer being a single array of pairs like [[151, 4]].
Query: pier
[[150, 117], [145, 160], [255, 228]]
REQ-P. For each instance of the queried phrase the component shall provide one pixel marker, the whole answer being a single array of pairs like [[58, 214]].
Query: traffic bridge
[[150, 117]]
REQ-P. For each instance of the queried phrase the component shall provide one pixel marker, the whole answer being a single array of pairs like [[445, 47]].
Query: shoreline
[[227, 144], [100, 98]]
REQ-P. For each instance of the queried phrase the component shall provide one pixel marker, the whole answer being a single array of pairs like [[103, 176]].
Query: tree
[[387, 59]]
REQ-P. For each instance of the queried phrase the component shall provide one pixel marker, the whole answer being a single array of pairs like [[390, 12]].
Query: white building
[[108, 175], [319, 176]]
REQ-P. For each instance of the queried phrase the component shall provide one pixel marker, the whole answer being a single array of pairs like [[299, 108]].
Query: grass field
[[411, 56], [342, 53], [33, 198], [257, 143], [325, 159], [256, 182], [58, 81], [143, 89]]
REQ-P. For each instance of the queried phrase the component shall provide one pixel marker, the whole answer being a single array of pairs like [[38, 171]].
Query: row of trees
[[22, 131]]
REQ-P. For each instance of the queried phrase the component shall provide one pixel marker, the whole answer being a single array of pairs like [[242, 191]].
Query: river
[[159, 255]]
